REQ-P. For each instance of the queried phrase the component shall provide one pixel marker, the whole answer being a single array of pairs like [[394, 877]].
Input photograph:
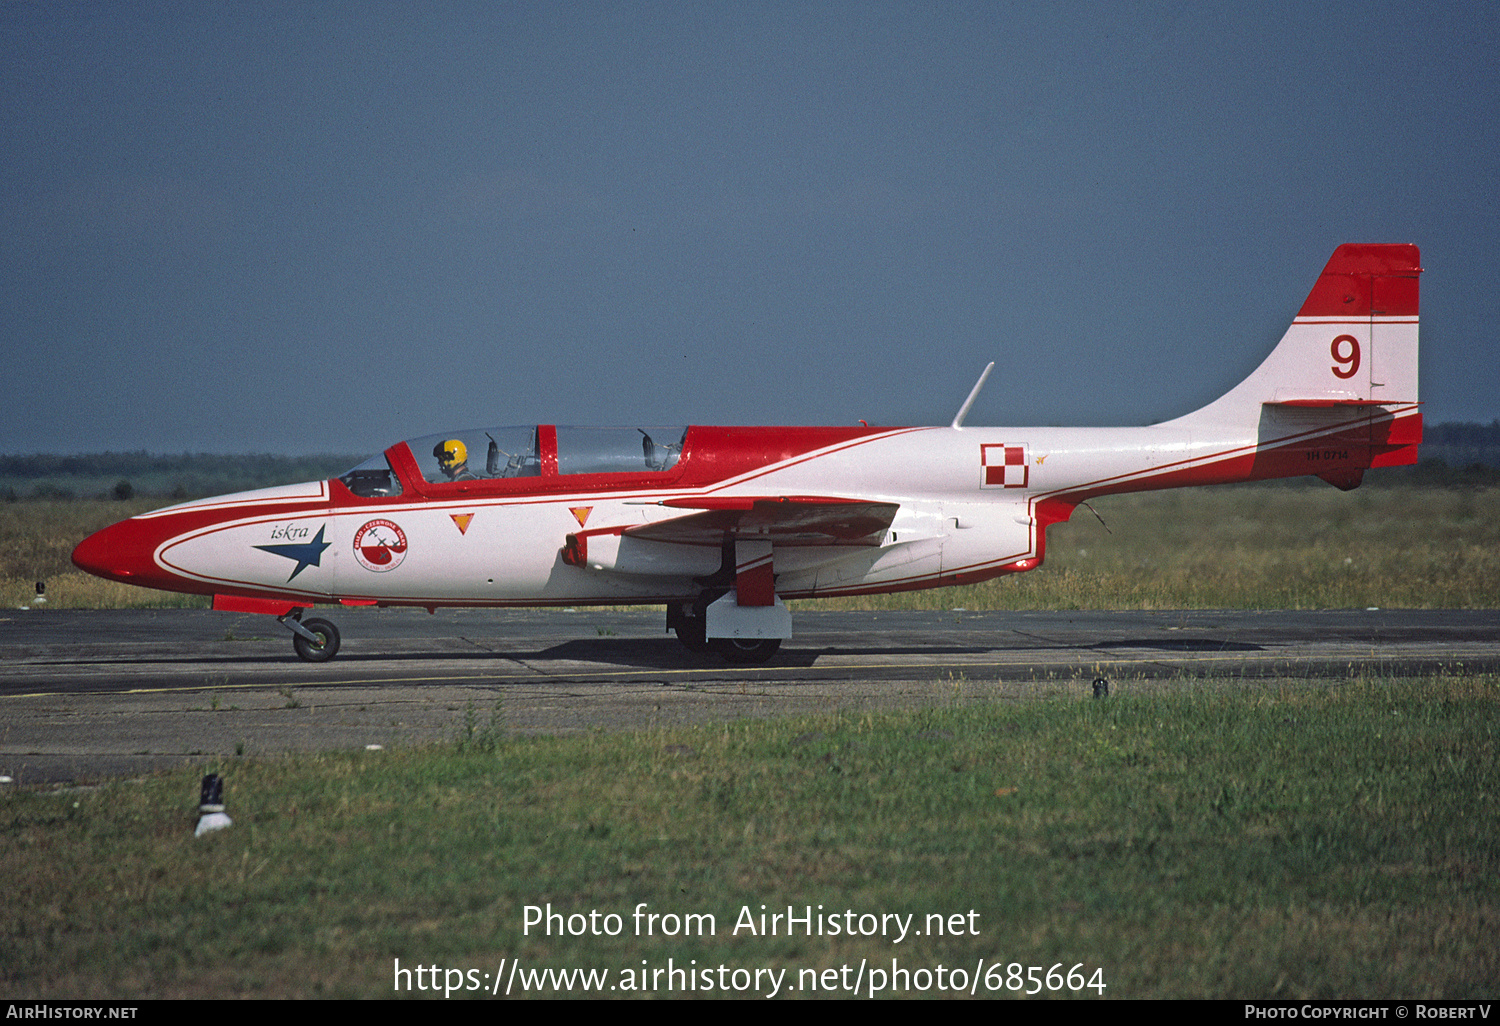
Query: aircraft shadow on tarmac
[[1184, 645], [667, 653]]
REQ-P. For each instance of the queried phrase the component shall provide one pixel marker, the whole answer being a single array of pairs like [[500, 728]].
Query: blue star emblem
[[305, 553]]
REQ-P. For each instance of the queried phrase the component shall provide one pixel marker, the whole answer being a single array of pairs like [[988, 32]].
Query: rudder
[[1364, 306]]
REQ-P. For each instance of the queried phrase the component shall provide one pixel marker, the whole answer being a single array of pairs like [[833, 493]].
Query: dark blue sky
[[312, 227]]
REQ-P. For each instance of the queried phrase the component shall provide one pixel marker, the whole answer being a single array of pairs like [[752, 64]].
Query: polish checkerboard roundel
[[1003, 466]]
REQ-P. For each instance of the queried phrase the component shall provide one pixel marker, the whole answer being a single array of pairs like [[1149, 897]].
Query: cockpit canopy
[[474, 454], [497, 453]]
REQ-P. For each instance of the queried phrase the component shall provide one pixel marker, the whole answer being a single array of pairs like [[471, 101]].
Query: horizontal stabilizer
[[1325, 403], [1336, 440]]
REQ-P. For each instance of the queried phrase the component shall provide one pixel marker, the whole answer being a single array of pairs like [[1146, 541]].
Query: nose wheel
[[315, 640]]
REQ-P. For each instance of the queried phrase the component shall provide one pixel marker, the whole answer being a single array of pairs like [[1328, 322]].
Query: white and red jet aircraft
[[721, 523]]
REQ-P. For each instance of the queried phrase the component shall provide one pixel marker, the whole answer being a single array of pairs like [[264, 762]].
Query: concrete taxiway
[[87, 694]]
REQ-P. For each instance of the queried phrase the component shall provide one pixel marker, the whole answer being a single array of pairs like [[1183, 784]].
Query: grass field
[[1257, 546], [1337, 840], [1213, 839], [37, 539]]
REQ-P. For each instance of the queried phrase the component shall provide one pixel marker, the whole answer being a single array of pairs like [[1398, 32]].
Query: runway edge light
[[211, 815]]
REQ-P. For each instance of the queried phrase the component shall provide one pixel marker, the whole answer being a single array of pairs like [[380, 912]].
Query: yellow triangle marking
[[462, 520], [581, 513]]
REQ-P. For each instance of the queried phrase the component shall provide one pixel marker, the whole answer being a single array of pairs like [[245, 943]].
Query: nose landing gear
[[316, 640]]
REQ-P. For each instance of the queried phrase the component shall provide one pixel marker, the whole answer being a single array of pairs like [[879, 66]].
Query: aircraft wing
[[782, 519]]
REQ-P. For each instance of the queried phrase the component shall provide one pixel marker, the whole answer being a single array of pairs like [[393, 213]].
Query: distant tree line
[[1479, 436], [123, 475], [1472, 448], [144, 464]]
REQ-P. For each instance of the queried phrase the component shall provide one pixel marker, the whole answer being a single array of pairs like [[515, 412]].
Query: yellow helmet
[[451, 454]]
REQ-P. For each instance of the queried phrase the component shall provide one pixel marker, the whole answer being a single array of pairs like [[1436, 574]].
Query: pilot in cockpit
[[453, 460]]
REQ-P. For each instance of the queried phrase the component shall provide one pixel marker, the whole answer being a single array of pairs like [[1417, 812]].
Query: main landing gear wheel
[[325, 648], [746, 650], [690, 624], [690, 632]]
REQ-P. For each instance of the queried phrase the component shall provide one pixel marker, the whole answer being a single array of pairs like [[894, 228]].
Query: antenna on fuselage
[[963, 411]]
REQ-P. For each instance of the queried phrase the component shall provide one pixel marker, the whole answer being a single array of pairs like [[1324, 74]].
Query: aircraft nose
[[121, 552]]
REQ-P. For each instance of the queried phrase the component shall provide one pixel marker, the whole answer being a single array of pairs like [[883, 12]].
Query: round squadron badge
[[380, 546]]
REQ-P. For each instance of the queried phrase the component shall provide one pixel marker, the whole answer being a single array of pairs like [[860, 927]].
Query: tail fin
[[1343, 379]]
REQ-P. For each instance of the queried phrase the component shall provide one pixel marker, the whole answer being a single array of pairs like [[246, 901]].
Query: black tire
[[746, 650], [323, 650], [690, 633]]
